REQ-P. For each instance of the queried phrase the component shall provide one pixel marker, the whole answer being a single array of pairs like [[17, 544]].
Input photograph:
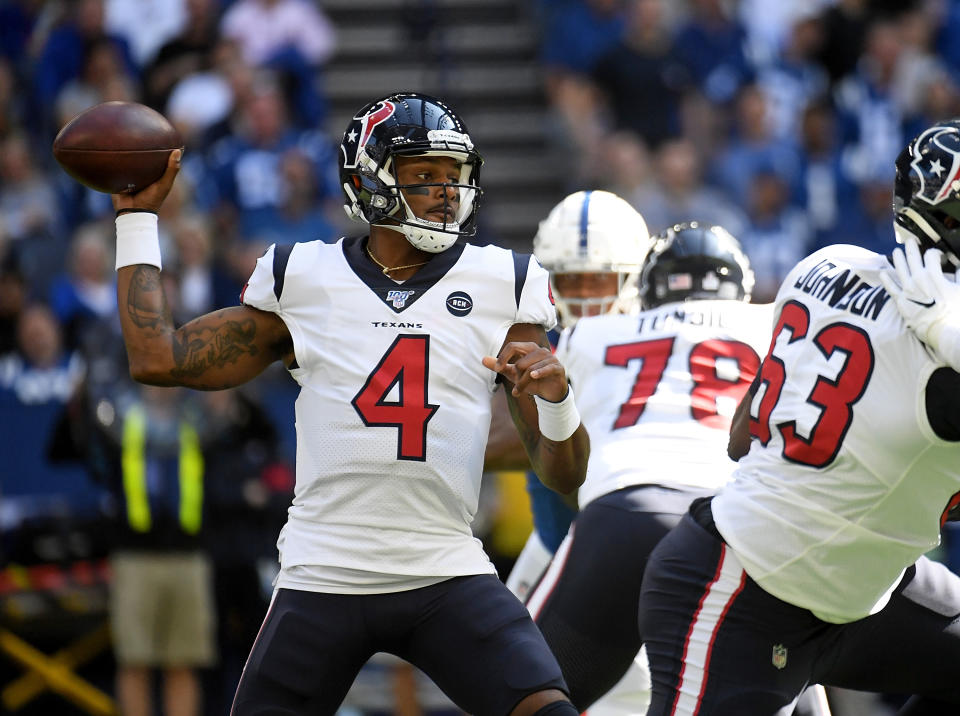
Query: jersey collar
[[398, 296]]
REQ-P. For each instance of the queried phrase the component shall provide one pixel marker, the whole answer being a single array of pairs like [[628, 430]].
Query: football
[[116, 147]]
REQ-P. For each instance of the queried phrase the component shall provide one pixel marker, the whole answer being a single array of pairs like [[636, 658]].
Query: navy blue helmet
[[407, 124], [926, 194], [694, 261]]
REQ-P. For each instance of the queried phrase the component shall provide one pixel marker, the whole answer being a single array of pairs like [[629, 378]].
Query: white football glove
[[926, 299]]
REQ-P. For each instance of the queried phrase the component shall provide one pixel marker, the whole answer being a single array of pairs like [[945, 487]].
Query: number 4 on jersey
[[405, 365]]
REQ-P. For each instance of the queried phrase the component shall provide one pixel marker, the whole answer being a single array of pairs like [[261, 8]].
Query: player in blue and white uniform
[[399, 340], [657, 390], [808, 566], [593, 244]]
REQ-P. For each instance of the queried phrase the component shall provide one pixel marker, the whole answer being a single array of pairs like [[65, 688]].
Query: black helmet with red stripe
[[407, 124]]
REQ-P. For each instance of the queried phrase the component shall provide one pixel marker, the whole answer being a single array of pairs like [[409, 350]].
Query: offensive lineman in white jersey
[[657, 390], [808, 566], [392, 338]]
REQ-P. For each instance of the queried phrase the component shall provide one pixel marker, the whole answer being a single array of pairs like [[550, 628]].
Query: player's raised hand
[[927, 300], [531, 368], [150, 198]]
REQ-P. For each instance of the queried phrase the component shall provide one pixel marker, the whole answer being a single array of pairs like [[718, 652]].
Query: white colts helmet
[[593, 232]]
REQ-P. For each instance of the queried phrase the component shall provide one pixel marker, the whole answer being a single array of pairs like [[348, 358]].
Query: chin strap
[[426, 239]]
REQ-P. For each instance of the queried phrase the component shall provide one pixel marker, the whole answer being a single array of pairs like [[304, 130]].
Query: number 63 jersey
[[656, 391], [394, 406], [846, 478]]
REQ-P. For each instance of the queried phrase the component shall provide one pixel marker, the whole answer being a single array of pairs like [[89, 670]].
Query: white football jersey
[[845, 479], [394, 406], [656, 391]]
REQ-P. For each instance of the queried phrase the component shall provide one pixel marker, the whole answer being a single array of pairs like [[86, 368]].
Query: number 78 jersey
[[656, 391]]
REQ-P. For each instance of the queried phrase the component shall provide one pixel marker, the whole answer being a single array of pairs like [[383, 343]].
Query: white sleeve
[[264, 289], [536, 300], [260, 289]]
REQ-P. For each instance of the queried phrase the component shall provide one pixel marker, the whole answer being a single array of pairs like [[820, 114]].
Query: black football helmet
[[694, 261], [926, 193], [407, 124]]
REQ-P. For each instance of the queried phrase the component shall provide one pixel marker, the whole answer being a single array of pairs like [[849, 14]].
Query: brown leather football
[[116, 147]]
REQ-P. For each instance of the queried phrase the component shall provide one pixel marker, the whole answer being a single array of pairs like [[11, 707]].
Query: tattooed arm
[[561, 466], [219, 350]]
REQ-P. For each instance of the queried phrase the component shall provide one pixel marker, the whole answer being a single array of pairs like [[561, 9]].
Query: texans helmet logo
[[381, 112], [932, 148], [361, 129]]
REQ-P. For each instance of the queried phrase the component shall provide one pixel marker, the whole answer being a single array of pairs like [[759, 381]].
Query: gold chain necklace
[[388, 269]]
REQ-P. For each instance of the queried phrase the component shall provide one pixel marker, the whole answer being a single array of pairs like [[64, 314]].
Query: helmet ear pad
[[369, 199]]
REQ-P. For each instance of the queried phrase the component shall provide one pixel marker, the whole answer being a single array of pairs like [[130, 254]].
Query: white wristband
[[137, 239], [558, 421]]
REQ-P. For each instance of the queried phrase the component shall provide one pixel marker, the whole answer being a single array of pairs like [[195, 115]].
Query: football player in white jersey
[[593, 244], [398, 340], [657, 390], [808, 566]]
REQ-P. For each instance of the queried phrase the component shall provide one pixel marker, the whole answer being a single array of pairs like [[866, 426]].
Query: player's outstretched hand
[[531, 368], [928, 301], [150, 198]]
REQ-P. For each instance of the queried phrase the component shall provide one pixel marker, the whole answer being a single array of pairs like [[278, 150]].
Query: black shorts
[[719, 644], [469, 634], [586, 604]]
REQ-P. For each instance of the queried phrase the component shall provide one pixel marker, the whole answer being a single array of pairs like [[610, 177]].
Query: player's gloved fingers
[[900, 266], [914, 259], [919, 276], [889, 282], [932, 259], [912, 273], [925, 276]]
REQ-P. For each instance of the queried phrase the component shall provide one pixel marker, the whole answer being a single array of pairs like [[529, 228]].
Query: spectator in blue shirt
[[246, 166], [578, 32], [64, 53], [712, 44]]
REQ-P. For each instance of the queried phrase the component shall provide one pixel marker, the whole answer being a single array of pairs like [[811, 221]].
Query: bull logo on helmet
[[932, 148]]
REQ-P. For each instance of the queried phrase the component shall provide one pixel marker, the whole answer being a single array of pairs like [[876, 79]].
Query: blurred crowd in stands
[[87, 452], [779, 120]]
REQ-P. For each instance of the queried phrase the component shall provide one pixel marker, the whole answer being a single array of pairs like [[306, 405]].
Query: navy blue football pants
[[469, 634], [719, 645]]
